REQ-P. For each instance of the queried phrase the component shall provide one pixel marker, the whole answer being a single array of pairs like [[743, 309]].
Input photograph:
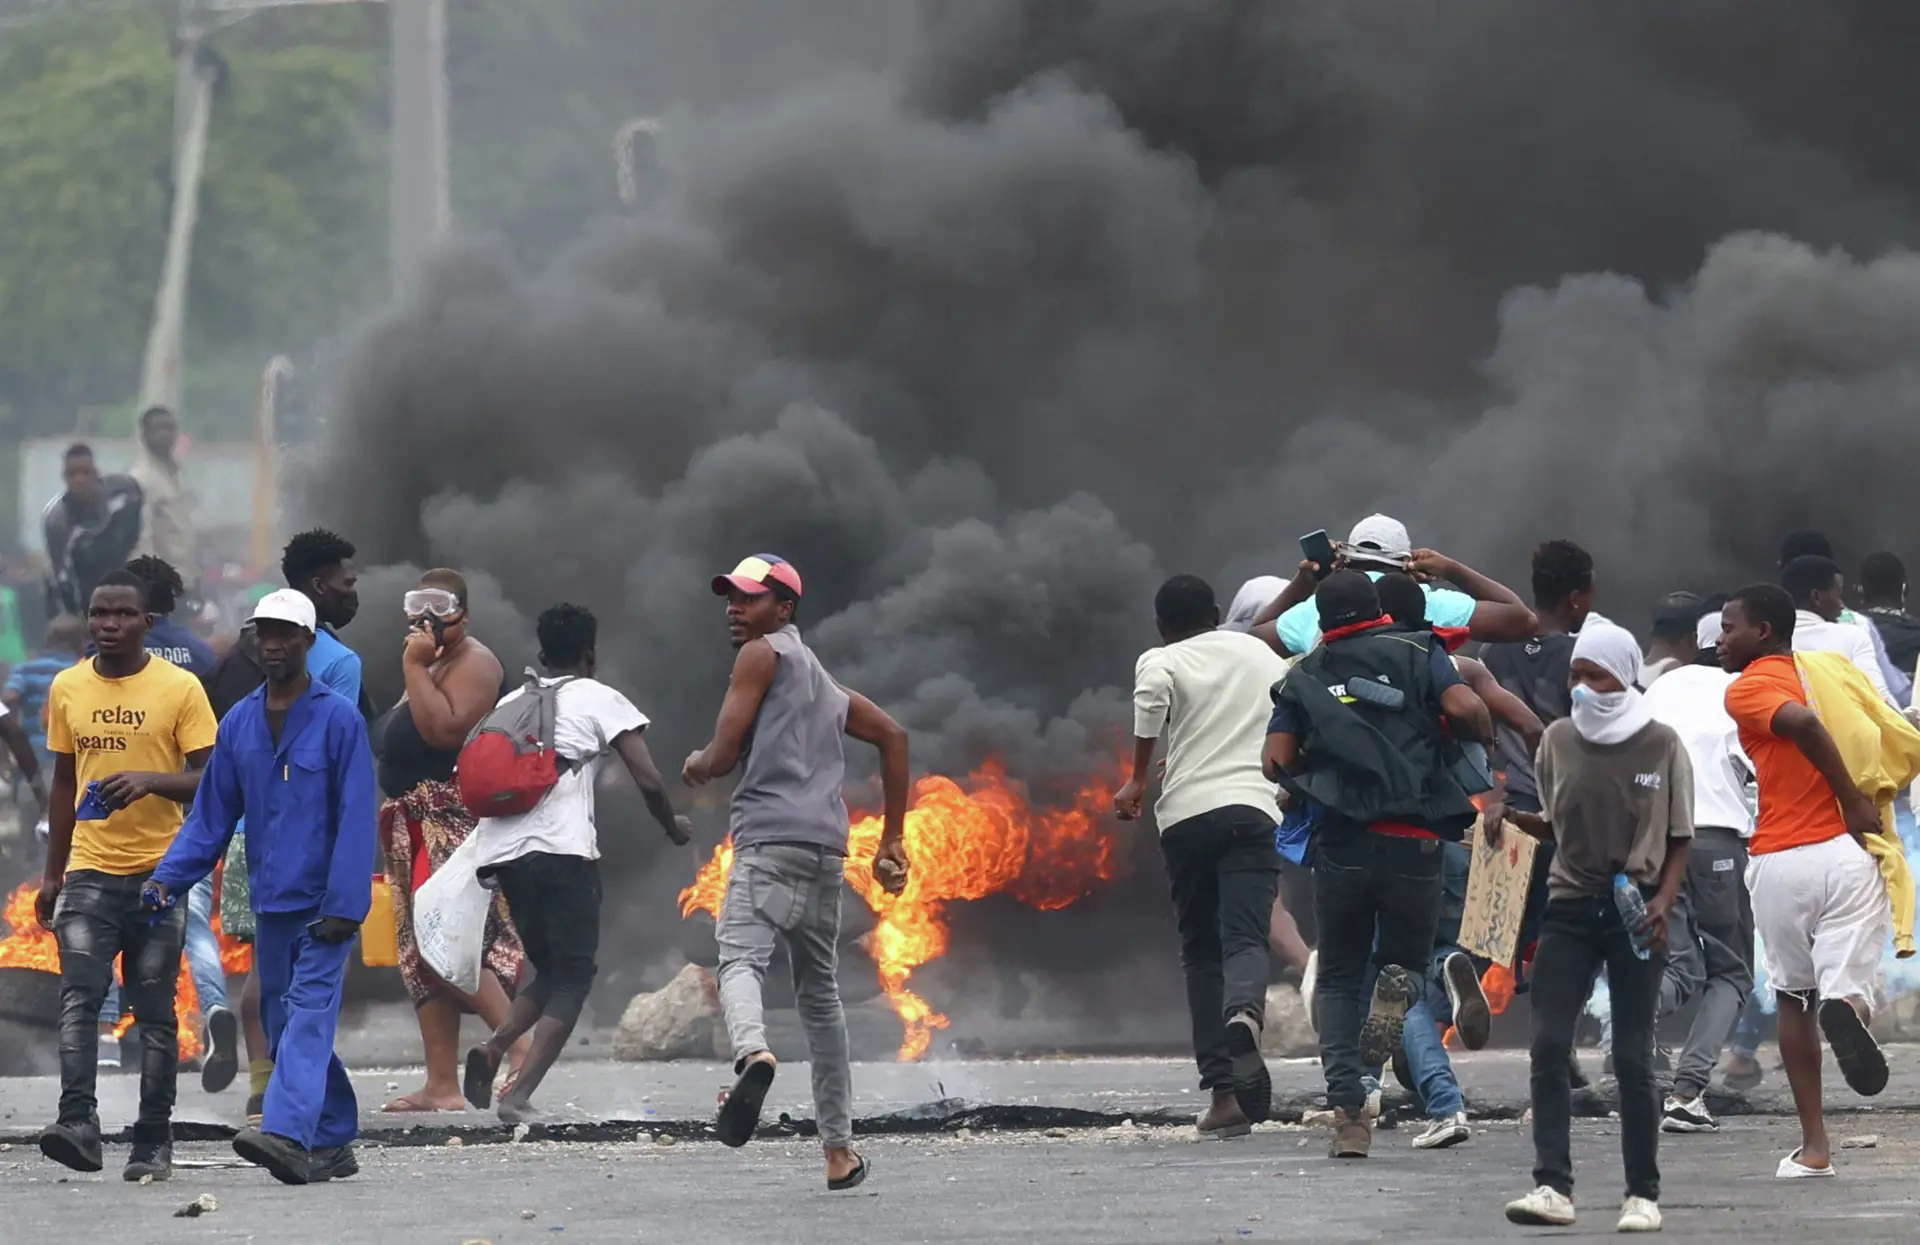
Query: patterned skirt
[[430, 821]]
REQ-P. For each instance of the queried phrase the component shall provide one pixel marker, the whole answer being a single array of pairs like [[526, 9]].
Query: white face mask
[[1608, 717]]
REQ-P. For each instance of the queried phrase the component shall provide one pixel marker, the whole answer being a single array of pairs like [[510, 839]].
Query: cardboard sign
[[1497, 894]]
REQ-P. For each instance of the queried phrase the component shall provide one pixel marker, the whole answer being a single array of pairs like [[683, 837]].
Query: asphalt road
[[1094, 1185]]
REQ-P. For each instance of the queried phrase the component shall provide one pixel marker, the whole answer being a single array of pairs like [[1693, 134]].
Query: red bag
[[508, 763]]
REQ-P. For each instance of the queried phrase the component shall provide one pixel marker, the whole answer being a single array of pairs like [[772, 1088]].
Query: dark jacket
[[1367, 763], [1900, 632]]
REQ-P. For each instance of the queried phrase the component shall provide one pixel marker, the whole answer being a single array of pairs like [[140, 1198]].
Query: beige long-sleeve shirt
[[167, 528]]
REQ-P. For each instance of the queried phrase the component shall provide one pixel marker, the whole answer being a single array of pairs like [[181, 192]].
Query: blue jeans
[[1427, 1055], [203, 957]]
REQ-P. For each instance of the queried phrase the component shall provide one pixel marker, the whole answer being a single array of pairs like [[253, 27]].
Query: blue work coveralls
[[309, 805]]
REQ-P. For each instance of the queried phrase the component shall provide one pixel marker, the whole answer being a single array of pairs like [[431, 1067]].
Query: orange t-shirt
[[1797, 806]]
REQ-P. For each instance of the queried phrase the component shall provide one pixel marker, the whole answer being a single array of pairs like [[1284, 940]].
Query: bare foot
[[422, 1101]]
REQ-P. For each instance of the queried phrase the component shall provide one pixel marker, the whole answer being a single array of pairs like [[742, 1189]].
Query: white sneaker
[[1687, 1117], [1639, 1215], [1544, 1207], [1442, 1133]]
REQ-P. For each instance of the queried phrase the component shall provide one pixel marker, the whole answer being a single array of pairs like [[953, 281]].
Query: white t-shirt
[[1211, 696], [588, 717], [1693, 701], [1814, 634]]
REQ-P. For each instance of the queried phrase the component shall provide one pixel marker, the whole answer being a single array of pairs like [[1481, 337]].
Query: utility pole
[[420, 199], [196, 70]]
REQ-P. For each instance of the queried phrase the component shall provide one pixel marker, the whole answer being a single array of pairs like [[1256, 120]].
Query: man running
[[1357, 730], [546, 860], [1208, 690], [128, 733], [293, 759], [1819, 904], [789, 828], [1692, 700]]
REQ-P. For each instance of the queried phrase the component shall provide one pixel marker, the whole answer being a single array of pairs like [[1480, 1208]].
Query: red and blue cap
[[761, 573]]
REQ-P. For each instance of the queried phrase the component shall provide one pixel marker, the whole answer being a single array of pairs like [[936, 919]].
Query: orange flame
[[963, 844], [31, 947]]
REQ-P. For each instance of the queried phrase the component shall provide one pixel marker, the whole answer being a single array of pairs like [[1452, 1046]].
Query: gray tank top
[[796, 762]]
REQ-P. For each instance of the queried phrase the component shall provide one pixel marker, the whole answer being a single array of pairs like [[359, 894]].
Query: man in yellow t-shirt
[[141, 729]]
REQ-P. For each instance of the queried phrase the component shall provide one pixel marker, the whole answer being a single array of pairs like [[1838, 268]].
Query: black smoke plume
[[1072, 294]]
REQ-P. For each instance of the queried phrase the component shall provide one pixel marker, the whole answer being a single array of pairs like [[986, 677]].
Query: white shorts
[[1823, 919]]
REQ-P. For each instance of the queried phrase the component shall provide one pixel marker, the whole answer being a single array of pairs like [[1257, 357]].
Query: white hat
[[1706, 632], [285, 605], [1381, 534]]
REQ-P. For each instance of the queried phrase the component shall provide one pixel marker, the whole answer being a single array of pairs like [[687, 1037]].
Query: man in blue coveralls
[[292, 758]]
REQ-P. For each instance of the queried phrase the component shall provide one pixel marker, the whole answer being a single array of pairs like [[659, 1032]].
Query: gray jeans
[[790, 893], [1723, 917]]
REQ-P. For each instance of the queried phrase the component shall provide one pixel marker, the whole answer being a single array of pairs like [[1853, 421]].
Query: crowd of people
[[1739, 789], [268, 767]]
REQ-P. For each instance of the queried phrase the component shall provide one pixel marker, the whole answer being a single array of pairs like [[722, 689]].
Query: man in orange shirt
[[1818, 902]]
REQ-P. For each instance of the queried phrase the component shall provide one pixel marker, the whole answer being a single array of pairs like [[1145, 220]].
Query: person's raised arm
[[446, 712], [1800, 726], [753, 670], [1499, 615], [632, 749], [1299, 590], [870, 724]]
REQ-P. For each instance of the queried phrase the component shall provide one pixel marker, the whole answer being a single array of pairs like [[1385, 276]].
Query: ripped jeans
[[99, 916], [789, 893]]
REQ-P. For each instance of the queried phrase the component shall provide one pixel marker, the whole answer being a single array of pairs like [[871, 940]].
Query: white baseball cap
[[285, 605], [1706, 632], [1381, 534]]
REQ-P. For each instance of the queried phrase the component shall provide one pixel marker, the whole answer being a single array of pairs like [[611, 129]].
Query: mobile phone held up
[[1317, 548]]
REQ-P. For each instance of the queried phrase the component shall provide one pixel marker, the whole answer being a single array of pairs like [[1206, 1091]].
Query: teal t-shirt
[[1299, 627]]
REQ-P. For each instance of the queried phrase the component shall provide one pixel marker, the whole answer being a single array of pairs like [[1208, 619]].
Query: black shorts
[[555, 905]]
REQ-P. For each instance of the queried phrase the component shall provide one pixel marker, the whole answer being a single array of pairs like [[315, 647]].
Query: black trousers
[[1225, 872], [555, 905], [100, 916], [1375, 897], [1576, 939]]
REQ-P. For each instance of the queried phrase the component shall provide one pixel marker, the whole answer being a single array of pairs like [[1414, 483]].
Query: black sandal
[[477, 1086], [740, 1113], [852, 1179], [1862, 1065]]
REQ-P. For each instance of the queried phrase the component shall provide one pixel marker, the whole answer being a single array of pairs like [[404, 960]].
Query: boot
[[1352, 1136], [1224, 1118]]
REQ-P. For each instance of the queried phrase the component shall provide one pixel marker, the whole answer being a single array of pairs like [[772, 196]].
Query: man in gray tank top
[[783, 723]]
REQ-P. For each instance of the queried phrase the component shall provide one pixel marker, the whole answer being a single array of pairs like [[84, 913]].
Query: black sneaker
[[284, 1157], [332, 1163], [150, 1159], [75, 1145], [1472, 1018], [223, 1052]]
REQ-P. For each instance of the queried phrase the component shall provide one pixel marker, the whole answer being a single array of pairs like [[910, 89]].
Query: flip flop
[[477, 1084], [1861, 1063], [411, 1105], [740, 1113], [852, 1179], [1791, 1168]]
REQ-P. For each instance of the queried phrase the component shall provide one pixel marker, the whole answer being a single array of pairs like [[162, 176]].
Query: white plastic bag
[[450, 919]]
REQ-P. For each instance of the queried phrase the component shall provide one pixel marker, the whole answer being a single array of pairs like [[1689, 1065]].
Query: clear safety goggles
[[435, 601]]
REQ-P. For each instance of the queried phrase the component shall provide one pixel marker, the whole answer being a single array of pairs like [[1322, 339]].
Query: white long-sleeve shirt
[[1210, 695]]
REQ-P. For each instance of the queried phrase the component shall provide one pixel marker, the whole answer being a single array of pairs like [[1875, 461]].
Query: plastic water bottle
[[1633, 912]]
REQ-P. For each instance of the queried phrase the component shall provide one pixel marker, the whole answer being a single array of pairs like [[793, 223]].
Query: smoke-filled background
[[1037, 301]]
